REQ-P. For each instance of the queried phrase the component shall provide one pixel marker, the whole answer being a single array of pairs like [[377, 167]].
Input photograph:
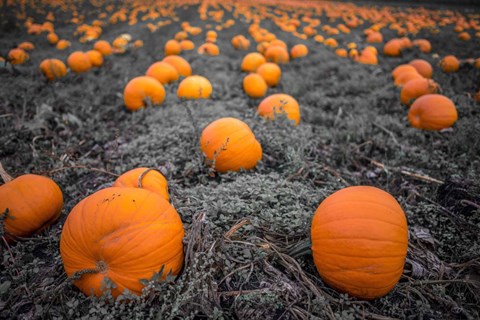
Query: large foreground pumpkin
[[359, 241], [33, 202], [125, 234], [230, 145]]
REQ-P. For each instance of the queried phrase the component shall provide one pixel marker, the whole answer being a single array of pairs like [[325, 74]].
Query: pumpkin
[[404, 77], [182, 65], [181, 35], [125, 234], [52, 38], [27, 46], [103, 47], [401, 69], [210, 49], [17, 56], [254, 85], [359, 241], [393, 48], [450, 64], [165, 73], [277, 54], [229, 145], [423, 67], [187, 45], [464, 36], [298, 51], [79, 62], [172, 47], [330, 42], [53, 69], [63, 44], [239, 42], [416, 88], [277, 104], [34, 202], [367, 57], [141, 88], [96, 58], [424, 45], [374, 37], [194, 87], [270, 72], [144, 178], [252, 61], [432, 112], [341, 52]]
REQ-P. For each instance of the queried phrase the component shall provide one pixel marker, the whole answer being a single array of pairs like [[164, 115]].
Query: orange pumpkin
[[432, 112], [252, 61], [239, 42], [17, 56], [424, 45], [401, 69], [404, 77], [229, 145], [277, 54], [393, 48], [79, 62], [416, 88], [187, 45], [194, 87], [254, 85], [125, 234], [271, 73], [96, 58], [27, 46], [172, 47], [63, 44], [182, 65], [33, 202], [103, 47], [52, 38], [164, 72], [298, 51], [53, 69], [423, 67], [139, 89], [359, 241], [144, 178], [279, 104], [374, 37], [209, 49], [450, 64]]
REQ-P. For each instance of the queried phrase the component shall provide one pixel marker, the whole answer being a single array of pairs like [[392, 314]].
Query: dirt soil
[[240, 226]]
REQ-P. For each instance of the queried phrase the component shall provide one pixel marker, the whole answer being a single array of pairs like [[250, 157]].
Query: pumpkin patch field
[[203, 159]]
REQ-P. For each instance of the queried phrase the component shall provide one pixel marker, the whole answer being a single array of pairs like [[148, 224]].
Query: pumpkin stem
[[100, 268], [300, 249], [140, 178], [5, 176]]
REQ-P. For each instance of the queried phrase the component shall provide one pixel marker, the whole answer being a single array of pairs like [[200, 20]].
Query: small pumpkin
[[374, 37], [450, 64], [53, 69], [26, 45], [252, 61], [277, 54], [401, 69], [139, 89], [254, 85], [416, 88], [79, 62], [423, 67], [52, 38], [125, 234], [34, 202], [393, 48], [182, 65], [209, 49], [271, 73], [423, 45], [96, 58], [144, 178], [164, 72], [230, 145], [63, 44], [277, 104], [404, 77], [17, 56], [194, 87], [298, 51], [359, 241], [187, 45], [432, 112], [239, 42], [172, 47], [103, 47]]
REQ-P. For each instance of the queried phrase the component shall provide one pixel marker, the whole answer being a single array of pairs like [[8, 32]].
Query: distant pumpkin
[[432, 112], [254, 85], [229, 145], [194, 87], [53, 69], [103, 47], [17, 56], [209, 49], [277, 54], [252, 61], [279, 104], [52, 38], [298, 51], [270, 72], [163, 72], [63, 44], [172, 47], [423, 67], [79, 62], [450, 64], [182, 65], [96, 58], [139, 89], [27, 46]]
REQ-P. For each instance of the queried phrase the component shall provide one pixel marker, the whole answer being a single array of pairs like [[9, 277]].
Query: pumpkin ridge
[[362, 270], [361, 218], [355, 256], [340, 202], [338, 283], [365, 239]]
